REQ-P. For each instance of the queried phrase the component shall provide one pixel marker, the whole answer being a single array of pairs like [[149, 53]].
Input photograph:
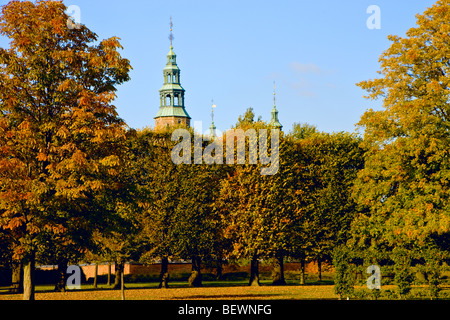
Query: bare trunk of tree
[[319, 268], [28, 277], [61, 276], [254, 272], [17, 278], [302, 272], [109, 274], [278, 272], [195, 280], [164, 274], [219, 269], [119, 266], [122, 287]]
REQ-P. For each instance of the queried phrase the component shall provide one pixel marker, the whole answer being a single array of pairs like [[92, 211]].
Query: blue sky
[[232, 51]]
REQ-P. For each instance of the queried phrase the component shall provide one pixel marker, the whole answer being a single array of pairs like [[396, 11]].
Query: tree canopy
[[59, 133]]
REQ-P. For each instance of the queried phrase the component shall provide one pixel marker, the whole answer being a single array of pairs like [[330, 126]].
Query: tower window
[[167, 100], [169, 78], [176, 102], [174, 79]]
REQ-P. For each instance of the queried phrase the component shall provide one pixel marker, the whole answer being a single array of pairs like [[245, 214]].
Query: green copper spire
[[274, 122], [212, 127], [172, 109]]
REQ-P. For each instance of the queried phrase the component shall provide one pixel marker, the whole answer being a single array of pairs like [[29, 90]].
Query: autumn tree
[[62, 249], [175, 204], [259, 210], [157, 183], [58, 128], [332, 164], [405, 182]]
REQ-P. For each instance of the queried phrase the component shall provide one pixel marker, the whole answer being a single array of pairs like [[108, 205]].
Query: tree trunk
[[278, 272], [195, 280], [61, 276], [254, 272], [302, 272], [319, 268], [28, 277], [119, 266], [122, 287], [95, 275], [109, 274], [164, 274], [219, 269], [17, 278]]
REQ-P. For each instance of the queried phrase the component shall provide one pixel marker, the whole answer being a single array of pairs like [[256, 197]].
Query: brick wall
[[138, 269], [171, 121]]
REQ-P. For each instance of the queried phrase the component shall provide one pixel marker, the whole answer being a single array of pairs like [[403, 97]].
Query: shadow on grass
[[230, 297]]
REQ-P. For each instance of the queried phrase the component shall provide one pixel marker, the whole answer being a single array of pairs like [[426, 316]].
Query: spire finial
[[212, 111], [274, 122], [171, 33], [212, 128], [274, 94]]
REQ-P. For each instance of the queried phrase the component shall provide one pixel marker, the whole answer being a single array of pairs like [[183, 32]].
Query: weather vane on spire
[[171, 34]]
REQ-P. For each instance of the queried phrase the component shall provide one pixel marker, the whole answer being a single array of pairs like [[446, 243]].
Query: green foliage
[[332, 165], [303, 131], [248, 118], [405, 182], [402, 268], [432, 268], [345, 278], [403, 191], [73, 179]]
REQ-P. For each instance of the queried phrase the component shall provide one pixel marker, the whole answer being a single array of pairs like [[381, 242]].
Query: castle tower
[[274, 122], [172, 110]]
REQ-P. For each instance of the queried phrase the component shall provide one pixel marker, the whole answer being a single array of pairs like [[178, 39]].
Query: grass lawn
[[217, 290], [238, 293], [236, 290], [148, 291]]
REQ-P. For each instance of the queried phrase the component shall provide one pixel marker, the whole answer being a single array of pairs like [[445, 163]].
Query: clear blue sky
[[232, 51]]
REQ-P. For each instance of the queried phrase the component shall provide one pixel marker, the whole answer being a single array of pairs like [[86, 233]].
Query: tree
[[62, 249], [157, 180], [248, 118], [344, 280], [58, 128], [119, 236], [404, 188], [334, 161], [196, 223], [258, 211], [406, 179], [176, 205], [302, 130]]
